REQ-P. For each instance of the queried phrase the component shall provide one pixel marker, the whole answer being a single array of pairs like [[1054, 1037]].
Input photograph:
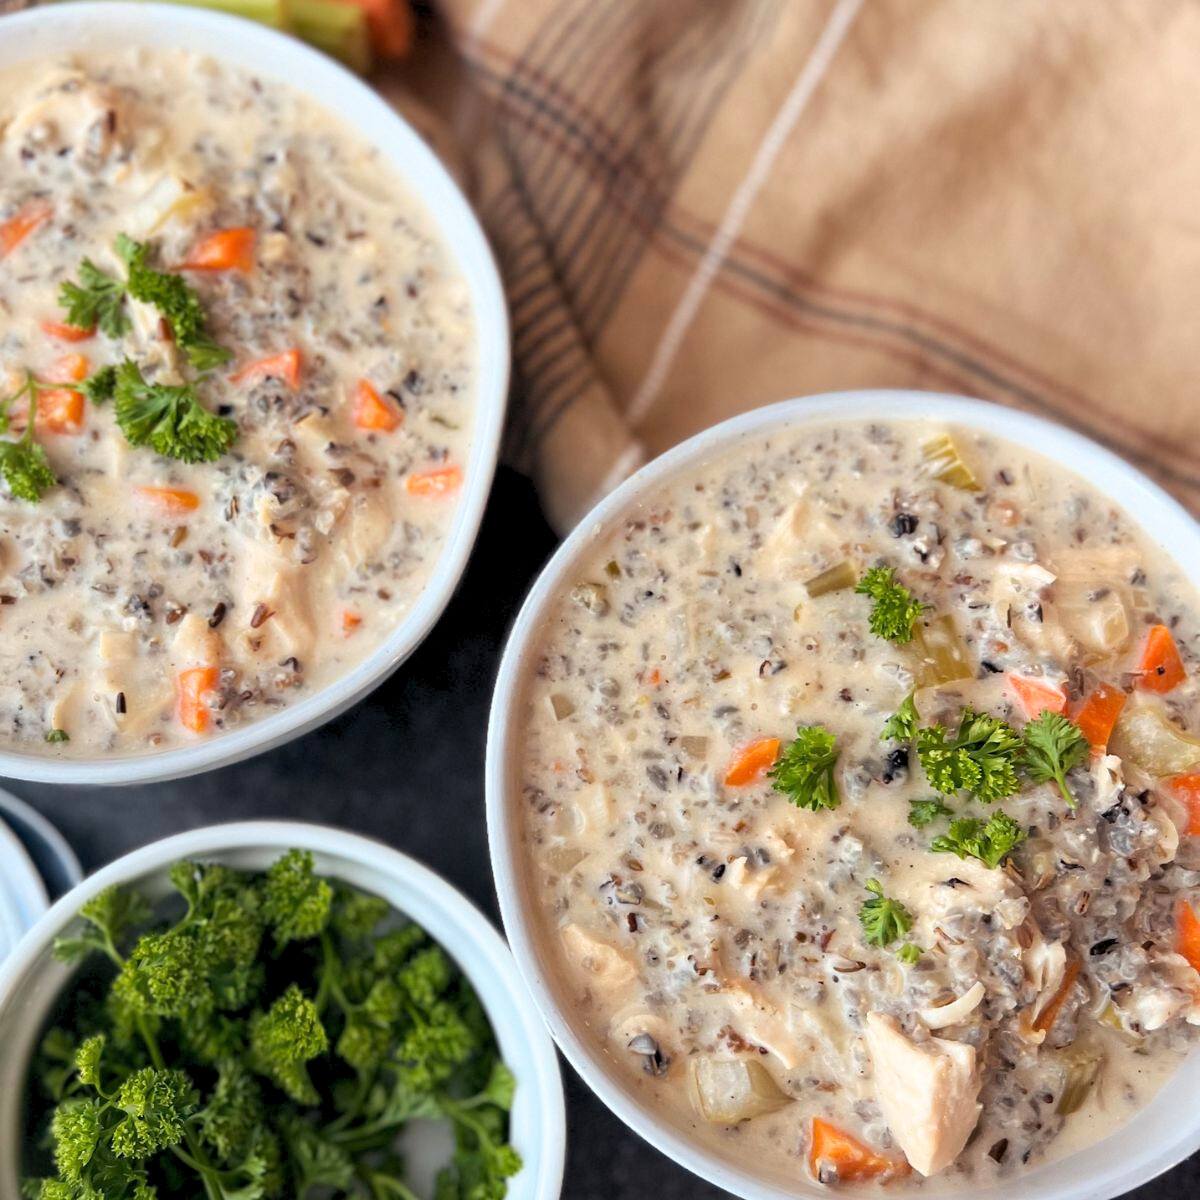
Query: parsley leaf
[[57, 735], [804, 771], [176, 300], [169, 418], [1053, 745], [100, 385], [990, 843], [901, 726], [981, 758], [909, 953], [894, 609], [925, 812], [23, 463], [96, 301], [883, 920]]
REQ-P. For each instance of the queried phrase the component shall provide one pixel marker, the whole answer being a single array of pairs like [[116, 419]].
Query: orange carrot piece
[[225, 250], [350, 621], [653, 677], [390, 24], [191, 689], [1049, 1014], [1187, 932], [22, 223], [170, 501], [751, 761], [285, 367], [71, 368], [1186, 789], [59, 410], [1160, 668], [1098, 714], [439, 481], [832, 1151], [375, 412], [67, 333], [1036, 696]]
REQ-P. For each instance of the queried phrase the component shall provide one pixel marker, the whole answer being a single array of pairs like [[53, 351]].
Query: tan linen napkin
[[704, 205]]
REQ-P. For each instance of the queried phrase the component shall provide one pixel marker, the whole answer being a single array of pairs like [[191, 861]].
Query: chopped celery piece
[[1082, 1067], [338, 29], [732, 1090], [944, 462], [836, 579], [941, 656], [265, 12], [1146, 737]]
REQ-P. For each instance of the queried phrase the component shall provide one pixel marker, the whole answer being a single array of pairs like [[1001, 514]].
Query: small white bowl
[[1158, 1137], [57, 29], [31, 978]]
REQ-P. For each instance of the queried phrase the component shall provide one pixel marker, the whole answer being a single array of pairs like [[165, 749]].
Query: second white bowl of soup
[[265, 347], [843, 790]]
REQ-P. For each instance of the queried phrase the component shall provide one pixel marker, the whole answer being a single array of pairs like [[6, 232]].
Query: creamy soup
[[858, 806], [254, 400]]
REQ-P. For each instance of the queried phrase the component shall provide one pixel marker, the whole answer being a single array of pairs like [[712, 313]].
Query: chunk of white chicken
[[928, 1093]]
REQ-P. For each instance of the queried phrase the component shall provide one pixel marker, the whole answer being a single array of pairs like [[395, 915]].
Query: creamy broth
[[277, 567], [706, 933]]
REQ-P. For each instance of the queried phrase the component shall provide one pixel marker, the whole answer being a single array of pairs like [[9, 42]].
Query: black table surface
[[406, 766]]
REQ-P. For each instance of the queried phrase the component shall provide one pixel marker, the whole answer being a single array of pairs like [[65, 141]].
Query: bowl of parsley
[[272, 1009]]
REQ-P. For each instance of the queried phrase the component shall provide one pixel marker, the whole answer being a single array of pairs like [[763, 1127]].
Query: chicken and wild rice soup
[[249, 362], [860, 793]]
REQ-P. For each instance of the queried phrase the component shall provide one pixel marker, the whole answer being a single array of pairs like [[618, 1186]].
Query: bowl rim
[[288, 60], [436, 905], [1141, 499]]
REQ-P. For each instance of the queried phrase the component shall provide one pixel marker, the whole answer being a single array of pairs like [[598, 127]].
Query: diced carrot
[[170, 501], [192, 687], [751, 761], [21, 224], [59, 410], [71, 368], [1098, 714], [285, 367], [439, 481], [67, 333], [1186, 788], [1187, 932], [1160, 668], [1046, 1018], [225, 250], [653, 677], [833, 1152], [373, 411], [1036, 696], [350, 621], [391, 25]]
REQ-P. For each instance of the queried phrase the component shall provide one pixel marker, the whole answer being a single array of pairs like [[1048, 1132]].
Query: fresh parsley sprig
[[804, 771], [901, 726], [883, 920], [925, 812], [1053, 745], [23, 462], [981, 758], [894, 609], [168, 418], [97, 301], [970, 837]]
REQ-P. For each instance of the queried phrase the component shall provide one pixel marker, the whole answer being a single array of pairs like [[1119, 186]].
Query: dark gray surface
[[406, 766]]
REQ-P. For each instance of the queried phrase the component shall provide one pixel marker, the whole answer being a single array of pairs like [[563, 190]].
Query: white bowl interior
[[32, 978], [59, 29], [1160, 1135]]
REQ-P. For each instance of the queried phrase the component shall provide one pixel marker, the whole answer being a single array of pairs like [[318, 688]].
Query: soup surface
[[253, 396], [857, 889]]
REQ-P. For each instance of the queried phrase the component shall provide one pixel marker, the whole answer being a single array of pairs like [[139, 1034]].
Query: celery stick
[[265, 12], [338, 29]]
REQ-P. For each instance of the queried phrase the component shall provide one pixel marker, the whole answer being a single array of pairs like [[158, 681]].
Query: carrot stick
[[284, 366], [1049, 1014], [751, 761], [1098, 714], [192, 687], [1160, 668], [67, 333], [22, 223], [169, 501], [832, 1151], [1187, 932], [374, 412], [438, 481], [1036, 696], [224, 250]]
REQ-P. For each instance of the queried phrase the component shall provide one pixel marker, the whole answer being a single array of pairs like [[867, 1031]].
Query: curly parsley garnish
[[909, 953], [273, 1040], [23, 462], [894, 609], [96, 301], [57, 735], [925, 812], [901, 726], [804, 771], [991, 843], [168, 418], [1053, 745], [981, 758], [883, 919]]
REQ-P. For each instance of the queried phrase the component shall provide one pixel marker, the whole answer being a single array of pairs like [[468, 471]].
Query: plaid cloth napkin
[[704, 205]]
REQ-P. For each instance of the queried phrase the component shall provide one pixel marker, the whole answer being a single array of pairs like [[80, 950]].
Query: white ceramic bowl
[[1161, 1135], [56, 29], [31, 978]]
